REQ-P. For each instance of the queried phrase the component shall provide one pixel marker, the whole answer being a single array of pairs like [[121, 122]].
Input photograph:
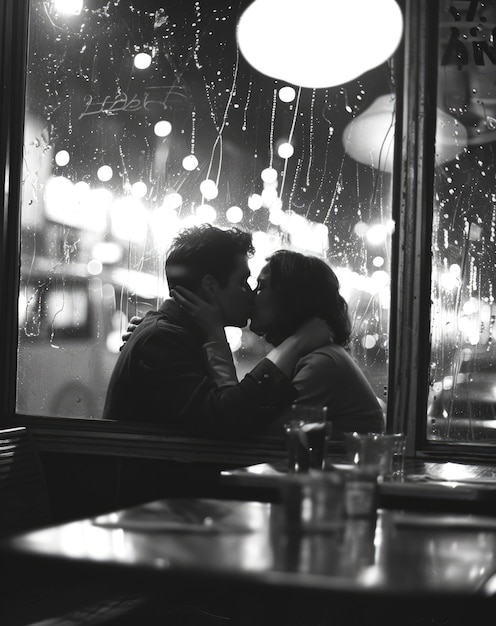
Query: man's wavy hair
[[205, 249], [305, 286]]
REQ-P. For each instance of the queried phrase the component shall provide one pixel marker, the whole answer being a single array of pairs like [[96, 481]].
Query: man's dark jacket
[[161, 376]]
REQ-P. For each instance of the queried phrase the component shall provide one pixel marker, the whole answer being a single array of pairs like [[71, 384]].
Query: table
[[434, 486], [242, 547]]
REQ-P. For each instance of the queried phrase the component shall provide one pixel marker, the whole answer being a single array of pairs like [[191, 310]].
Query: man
[[162, 374]]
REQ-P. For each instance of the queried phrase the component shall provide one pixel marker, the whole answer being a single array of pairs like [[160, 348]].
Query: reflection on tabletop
[[417, 471], [248, 542]]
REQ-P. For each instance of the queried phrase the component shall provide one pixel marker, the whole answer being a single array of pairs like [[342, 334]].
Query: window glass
[[143, 118], [463, 361]]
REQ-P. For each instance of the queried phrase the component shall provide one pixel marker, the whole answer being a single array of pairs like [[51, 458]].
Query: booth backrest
[[24, 501]]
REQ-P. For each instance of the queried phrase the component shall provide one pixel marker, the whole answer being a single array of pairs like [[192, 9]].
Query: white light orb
[[62, 158], [277, 216], [448, 281], [139, 189], [100, 199], [104, 173], [190, 162], [455, 270], [376, 234], [142, 60], [255, 202], [172, 200], [129, 220], [209, 189], [360, 229], [162, 128], [269, 196], [68, 7], [59, 192], [206, 213], [94, 267], [369, 137], [82, 189], [287, 94], [262, 243], [379, 280], [309, 45], [234, 214], [378, 261], [470, 307], [369, 342], [107, 252], [285, 150], [269, 175]]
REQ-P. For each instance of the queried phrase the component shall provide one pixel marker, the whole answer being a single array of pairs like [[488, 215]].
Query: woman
[[292, 290]]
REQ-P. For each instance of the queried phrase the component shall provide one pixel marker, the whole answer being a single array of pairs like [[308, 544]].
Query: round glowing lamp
[[172, 200], [68, 7], [234, 214], [209, 189], [320, 43], [163, 128], [142, 60], [105, 173], [62, 158], [206, 213], [287, 94], [190, 162], [369, 138], [139, 189], [285, 150], [255, 202], [269, 175]]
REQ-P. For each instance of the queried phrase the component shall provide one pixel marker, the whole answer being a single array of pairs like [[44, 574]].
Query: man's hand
[[207, 315], [134, 322]]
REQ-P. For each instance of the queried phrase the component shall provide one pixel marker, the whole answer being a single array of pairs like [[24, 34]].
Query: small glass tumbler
[[379, 454], [307, 436], [313, 501]]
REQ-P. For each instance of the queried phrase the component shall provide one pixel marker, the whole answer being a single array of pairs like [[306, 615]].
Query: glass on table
[[307, 437], [378, 454], [313, 501]]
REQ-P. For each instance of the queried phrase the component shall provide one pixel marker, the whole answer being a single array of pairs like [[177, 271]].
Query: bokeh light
[[234, 214], [95, 267], [269, 175], [190, 162], [377, 234], [206, 213], [139, 189], [105, 173], [255, 202], [172, 200], [285, 150], [68, 7], [208, 189], [62, 158], [163, 128], [287, 94], [142, 60]]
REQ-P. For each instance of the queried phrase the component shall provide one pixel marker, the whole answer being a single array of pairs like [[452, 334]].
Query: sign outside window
[[462, 401]]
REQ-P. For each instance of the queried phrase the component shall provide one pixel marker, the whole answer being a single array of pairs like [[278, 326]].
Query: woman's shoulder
[[330, 357]]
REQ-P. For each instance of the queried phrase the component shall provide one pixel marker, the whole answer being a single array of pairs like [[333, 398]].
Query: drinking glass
[[307, 435]]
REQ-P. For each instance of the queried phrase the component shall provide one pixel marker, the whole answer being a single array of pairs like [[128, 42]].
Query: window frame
[[413, 178]]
